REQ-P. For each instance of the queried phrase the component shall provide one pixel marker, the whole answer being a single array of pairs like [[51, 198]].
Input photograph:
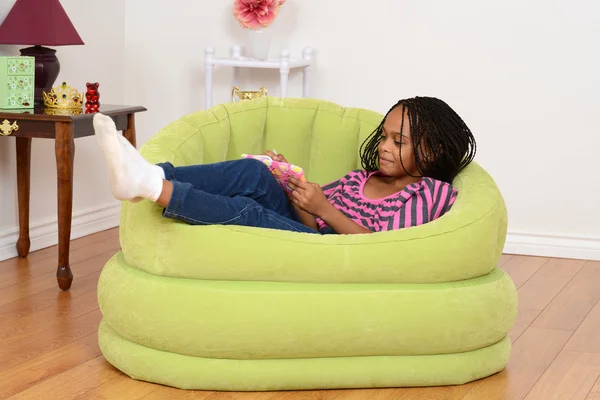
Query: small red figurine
[[92, 97]]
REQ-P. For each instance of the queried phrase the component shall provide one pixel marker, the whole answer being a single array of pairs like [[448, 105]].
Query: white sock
[[131, 176]]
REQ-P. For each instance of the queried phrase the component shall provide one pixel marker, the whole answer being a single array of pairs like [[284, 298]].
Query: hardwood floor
[[49, 348]]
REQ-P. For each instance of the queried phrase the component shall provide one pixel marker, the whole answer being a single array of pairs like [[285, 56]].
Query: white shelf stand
[[284, 64]]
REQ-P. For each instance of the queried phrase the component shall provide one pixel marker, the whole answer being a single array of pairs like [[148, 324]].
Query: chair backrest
[[324, 139], [319, 136]]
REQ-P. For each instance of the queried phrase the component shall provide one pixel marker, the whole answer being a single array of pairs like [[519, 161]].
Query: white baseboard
[[553, 245], [45, 234], [86, 222]]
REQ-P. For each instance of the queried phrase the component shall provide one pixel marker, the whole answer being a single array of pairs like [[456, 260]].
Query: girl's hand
[[276, 157], [308, 196]]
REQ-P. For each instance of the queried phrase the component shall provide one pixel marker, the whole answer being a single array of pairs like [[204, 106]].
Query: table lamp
[[39, 23]]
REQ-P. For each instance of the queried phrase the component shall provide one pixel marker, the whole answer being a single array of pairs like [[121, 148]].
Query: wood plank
[[436, 393], [531, 355], [46, 299], [39, 322], [430, 393], [307, 394], [46, 281], [595, 392], [574, 302], [504, 258], [39, 369], [121, 387], [18, 269], [525, 318], [239, 396], [547, 282], [72, 383], [587, 337], [169, 393], [44, 341], [521, 268], [571, 376]]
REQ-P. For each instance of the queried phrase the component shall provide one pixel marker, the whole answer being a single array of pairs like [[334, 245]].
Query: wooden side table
[[64, 129]]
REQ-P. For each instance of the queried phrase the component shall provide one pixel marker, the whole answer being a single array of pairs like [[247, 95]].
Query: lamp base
[[47, 68]]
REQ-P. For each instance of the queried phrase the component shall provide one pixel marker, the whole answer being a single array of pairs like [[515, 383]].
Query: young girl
[[409, 163]]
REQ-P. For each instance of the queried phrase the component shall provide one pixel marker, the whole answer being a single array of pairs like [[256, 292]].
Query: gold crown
[[63, 97], [247, 94]]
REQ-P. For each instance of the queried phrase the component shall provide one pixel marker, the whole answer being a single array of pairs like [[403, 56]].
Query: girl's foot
[[131, 176]]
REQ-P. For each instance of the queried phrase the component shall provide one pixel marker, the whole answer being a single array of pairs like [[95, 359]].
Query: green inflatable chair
[[238, 308]]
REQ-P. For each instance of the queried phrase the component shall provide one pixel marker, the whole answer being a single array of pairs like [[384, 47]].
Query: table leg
[[23, 184], [129, 133], [65, 152]]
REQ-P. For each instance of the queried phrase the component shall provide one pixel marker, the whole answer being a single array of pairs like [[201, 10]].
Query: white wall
[[523, 75], [101, 60]]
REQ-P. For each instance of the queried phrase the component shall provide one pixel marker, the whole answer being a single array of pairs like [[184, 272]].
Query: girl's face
[[395, 144]]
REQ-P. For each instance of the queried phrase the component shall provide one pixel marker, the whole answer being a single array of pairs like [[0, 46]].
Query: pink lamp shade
[[39, 23]]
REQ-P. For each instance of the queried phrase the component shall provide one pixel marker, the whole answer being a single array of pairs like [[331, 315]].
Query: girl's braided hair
[[443, 143]]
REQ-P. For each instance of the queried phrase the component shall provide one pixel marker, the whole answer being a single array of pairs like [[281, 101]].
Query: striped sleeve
[[443, 196], [453, 195]]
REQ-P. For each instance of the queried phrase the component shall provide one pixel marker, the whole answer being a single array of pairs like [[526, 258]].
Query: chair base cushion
[[197, 373], [247, 335]]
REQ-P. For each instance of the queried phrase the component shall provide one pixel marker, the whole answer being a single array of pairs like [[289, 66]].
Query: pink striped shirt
[[414, 205]]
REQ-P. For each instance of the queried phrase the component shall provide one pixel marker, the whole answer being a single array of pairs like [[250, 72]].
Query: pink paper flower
[[256, 14]]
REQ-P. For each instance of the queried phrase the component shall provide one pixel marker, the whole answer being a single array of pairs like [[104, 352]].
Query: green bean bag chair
[[249, 309]]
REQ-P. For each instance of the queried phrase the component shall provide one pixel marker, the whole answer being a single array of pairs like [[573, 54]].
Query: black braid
[[443, 143]]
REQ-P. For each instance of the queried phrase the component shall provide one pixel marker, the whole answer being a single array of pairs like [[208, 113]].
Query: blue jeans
[[238, 192]]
